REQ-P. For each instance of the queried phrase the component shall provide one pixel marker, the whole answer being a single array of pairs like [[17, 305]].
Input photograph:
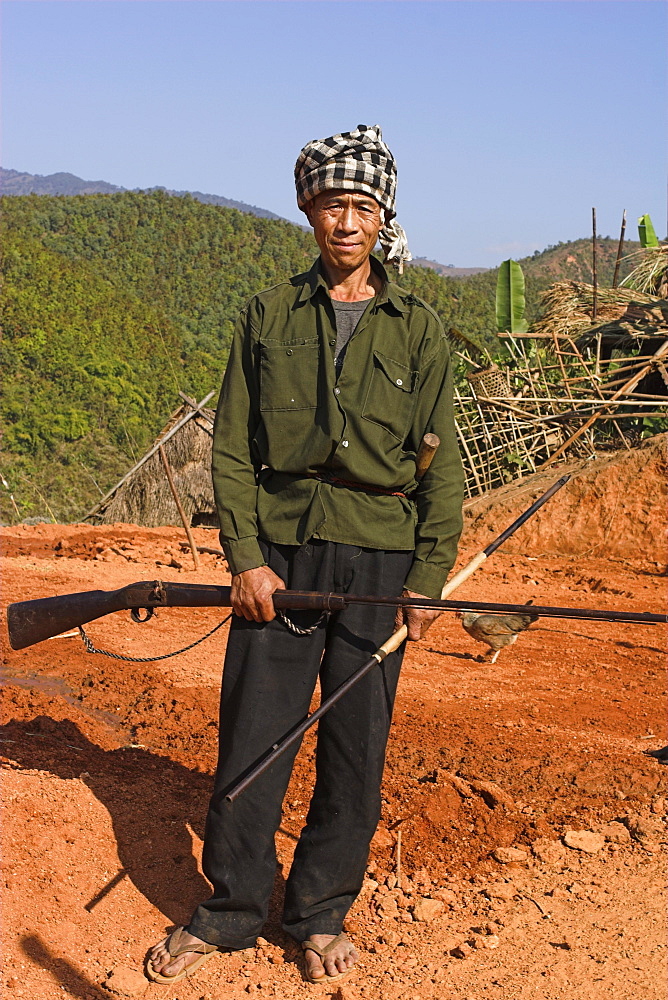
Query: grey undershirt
[[348, 315]]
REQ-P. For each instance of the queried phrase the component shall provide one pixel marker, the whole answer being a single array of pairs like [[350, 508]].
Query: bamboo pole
[[580, 400], [490, 450], [557, 420], [473, 436], [633, 381], [620, 247], [469, 457], [546, 386], [179, 507], [593, 264], [196, 406]]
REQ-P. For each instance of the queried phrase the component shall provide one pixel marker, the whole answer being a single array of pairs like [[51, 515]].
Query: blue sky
[[509, 119]]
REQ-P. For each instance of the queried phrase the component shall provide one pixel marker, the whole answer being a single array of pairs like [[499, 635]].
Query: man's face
[[346, 225]]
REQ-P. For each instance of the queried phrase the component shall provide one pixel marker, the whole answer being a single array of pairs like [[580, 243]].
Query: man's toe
[[316, 969]]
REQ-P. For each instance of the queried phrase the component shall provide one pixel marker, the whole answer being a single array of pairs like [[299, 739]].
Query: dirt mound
[[612, 507]]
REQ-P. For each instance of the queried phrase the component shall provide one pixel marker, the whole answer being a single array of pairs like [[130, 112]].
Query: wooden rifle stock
[[33, 621]]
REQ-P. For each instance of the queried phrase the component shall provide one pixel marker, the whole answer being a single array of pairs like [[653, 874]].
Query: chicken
[[496, 631]]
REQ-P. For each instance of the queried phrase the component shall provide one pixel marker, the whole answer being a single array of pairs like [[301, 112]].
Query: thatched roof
[[145, 497], [567, 309], [640, 321]]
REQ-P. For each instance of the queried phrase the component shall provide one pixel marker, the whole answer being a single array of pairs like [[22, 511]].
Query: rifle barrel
[[335, 602]]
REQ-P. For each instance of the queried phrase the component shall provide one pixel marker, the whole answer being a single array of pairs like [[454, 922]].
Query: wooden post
[[619, 250], [593, 262], [179, 507]]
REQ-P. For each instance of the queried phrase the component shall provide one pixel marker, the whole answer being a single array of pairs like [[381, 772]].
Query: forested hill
[[17, 182], [115, 302]]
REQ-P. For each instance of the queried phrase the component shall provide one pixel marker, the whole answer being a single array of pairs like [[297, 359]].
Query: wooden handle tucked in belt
[[426, 452]]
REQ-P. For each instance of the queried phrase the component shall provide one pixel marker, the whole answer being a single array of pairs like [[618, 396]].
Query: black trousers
[[268, 681]]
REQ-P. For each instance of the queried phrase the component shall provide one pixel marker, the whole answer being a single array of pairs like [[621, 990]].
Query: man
[[333, 379]]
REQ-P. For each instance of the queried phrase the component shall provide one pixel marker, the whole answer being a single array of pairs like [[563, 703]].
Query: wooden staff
[[179, 507]]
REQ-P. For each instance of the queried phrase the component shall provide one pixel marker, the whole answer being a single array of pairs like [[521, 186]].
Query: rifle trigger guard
[[135, 614]]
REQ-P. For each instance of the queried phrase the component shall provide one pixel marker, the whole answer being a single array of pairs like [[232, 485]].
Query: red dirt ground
[[108, 770]]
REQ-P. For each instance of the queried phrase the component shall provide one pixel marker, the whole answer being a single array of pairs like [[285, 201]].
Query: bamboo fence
[[543, 405]]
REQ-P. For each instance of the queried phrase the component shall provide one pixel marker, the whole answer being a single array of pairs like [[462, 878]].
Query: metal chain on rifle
[[90, 648], [295, 629]]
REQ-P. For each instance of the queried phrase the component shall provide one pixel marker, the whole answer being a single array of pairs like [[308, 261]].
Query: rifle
[[33, 621]]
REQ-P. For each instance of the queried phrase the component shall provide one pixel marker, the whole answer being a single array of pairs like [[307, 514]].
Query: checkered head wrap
[[355, 161]]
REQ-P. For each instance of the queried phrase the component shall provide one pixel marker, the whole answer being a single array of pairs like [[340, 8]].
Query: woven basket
[[491, 382]]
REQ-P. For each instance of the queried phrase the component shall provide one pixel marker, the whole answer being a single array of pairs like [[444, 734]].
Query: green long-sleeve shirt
[[283, 417]]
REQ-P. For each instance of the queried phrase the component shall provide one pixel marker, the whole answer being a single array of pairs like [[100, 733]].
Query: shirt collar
[[388, 294]]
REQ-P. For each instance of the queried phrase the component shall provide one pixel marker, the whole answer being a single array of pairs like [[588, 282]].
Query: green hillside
[[113, 302], [574, 260]]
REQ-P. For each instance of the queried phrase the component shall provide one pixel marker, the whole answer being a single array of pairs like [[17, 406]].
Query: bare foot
[[339, 960], [165, 965]]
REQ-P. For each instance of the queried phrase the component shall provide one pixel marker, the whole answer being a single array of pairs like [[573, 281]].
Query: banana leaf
[[510, 298], [646, 232]]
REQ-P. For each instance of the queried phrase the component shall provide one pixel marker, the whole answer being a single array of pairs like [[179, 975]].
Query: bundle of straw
[[650, 275], [567, 307]]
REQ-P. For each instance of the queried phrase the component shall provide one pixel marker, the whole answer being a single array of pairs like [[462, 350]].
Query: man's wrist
[[425, 579], [242, 554]]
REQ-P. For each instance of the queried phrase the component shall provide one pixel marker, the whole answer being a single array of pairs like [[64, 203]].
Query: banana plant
[[646, 232], [510, 299]]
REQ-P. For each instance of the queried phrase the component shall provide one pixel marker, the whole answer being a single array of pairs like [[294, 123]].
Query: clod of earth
[[501, 890], [646, 830], [427, 909], [508, 855], [584, 840], [615, 833], [126, 982]]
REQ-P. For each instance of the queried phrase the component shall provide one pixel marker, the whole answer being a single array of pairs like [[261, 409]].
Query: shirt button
[[344, 444], [336, 392], [332, 343], [288, 352], [399, 381]]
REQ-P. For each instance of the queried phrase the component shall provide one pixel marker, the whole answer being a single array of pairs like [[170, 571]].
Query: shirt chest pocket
[[289, 375], [390, 397]]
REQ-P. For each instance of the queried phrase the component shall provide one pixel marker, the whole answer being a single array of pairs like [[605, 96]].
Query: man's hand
[[417, 620], [251, 593]]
